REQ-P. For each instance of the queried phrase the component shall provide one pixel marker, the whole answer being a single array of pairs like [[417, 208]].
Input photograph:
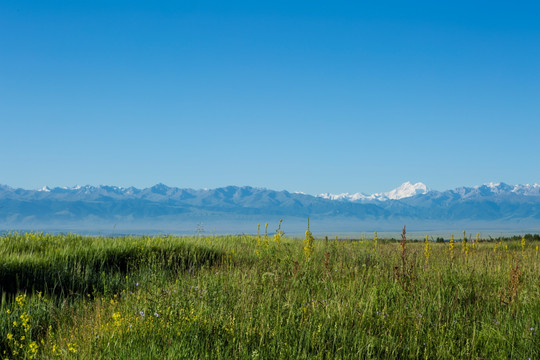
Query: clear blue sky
[[313, 96]]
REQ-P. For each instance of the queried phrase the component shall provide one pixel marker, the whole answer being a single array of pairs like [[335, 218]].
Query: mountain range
[[160, 208]]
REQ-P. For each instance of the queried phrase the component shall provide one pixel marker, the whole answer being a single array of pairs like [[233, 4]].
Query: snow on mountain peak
[[344, 196], [502, 188], [527, 190], [405, 190]]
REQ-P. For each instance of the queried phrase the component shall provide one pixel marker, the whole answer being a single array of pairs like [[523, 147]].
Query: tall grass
[[240, 297]]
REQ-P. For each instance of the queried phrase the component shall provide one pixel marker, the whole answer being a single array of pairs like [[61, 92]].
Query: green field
[[249, 297]]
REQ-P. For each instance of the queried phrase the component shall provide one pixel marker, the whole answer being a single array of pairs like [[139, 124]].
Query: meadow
[[267, 296]]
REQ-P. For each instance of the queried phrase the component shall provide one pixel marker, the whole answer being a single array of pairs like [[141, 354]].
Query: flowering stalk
[[452, 246], [427, 249], [403, 242], [259, 244], [266, 241], [464, 244], [279, 233], [308, 243]]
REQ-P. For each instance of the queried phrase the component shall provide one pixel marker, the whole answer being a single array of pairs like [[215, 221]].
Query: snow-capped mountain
[[525, 190], [163, 207], [405, 190]]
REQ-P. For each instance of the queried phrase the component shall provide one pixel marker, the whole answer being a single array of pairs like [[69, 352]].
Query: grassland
[[261, 297]]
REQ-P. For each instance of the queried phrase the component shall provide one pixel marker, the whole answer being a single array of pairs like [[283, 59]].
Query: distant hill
[[239, 209]]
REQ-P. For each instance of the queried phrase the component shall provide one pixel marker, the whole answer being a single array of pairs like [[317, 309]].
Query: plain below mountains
[[160, 208]]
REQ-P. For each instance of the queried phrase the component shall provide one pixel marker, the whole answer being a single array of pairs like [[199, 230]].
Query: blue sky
[[313, 96]]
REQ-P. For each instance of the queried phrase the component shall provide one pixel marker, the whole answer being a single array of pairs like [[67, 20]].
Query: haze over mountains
[[105, 209]]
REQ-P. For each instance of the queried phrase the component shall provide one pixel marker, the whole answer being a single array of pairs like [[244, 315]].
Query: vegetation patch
[[267, 297]]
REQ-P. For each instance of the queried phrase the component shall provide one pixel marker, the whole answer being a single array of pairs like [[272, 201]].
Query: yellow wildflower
[[20, 299], [33, 349]]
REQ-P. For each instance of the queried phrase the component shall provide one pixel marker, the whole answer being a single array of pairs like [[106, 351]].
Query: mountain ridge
[[163, 206], [405, 190]]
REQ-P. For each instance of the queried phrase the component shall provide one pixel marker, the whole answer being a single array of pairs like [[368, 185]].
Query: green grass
[[227, 297]]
